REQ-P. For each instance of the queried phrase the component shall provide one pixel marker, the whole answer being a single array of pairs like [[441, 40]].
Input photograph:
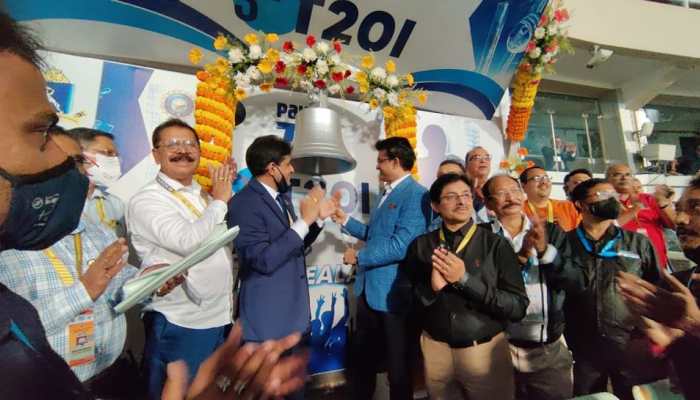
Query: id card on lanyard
[[180, 197], [550, 211], [464, 241], [80, 332]]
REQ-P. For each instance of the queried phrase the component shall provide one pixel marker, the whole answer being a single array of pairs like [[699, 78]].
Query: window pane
[[569, 127]]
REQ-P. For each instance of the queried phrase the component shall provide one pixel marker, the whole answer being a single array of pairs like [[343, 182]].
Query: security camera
[[599, 55]]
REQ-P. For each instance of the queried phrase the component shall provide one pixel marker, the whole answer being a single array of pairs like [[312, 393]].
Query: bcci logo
[[178, 104]]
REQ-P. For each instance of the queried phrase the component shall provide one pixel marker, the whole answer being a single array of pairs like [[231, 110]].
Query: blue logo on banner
[[328, 340], [178, 105], [60, 95]]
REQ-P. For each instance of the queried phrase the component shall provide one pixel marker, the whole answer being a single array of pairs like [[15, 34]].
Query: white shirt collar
[[193, 188], [391, 186], [498, 227], [270, 190], [98, 193]]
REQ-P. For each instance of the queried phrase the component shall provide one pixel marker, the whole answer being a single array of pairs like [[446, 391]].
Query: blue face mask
[[44, 207]]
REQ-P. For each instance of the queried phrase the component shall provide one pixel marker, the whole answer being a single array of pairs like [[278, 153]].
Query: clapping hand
[[448, 264], [101, 271], [330, 206], [675, 308], [241, 372]]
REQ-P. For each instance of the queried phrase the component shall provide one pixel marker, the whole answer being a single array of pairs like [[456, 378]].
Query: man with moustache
[[542, 361], [468, 286], [167, 219], [642, 213], [42, 195], [538, 187], [477, 166]]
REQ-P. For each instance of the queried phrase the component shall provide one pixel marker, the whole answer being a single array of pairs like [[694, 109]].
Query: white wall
[[636, 24]]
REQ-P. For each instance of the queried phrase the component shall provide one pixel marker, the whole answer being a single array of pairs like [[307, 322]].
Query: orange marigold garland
[[214, 119], [543, 49]]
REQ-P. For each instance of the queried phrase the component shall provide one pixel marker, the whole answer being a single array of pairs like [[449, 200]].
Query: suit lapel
[[393, 196], [267, 199]]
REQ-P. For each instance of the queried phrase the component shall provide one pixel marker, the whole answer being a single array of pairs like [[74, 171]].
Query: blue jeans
[[167, 342]]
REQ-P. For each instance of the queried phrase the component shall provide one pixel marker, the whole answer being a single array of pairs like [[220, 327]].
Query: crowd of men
[[507, 292]]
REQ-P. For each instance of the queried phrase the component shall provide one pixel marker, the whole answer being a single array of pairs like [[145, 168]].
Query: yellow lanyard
[[550, 210], [182, 198], [60, 267], [464, 241], [100, 205]]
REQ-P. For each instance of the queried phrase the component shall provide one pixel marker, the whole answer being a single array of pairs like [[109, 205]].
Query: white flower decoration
[[379, 93], [235, 55], [540, 32], [393, 99], [322, 47], [334, 89], [253, 73], [255, 52], [378, 73], [547, 57], [392, 81], [321, 67], [535, 53], [335, 59], [309, 55]]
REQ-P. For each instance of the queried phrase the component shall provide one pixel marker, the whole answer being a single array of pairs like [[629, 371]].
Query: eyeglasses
[[453, 197], [606, 195], [381, 160], [502, 194], [539, 178], [480, 158], [174, 144]]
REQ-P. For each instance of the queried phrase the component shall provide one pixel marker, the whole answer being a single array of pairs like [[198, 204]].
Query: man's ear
[[156, 156]]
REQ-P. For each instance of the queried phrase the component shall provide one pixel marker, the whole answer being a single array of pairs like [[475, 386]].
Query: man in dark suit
[[274, 296]]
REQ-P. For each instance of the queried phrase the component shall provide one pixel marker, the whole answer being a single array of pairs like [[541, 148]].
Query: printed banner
[[129, 101], [464, 51]]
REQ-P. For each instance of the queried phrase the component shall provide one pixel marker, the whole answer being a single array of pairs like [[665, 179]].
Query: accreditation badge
[[81, 339]]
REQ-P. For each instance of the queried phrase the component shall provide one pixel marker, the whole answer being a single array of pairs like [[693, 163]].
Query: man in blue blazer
[[274, 295], [384, 291]]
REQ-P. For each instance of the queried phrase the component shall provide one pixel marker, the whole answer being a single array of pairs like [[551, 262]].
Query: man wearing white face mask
[[103, 169]]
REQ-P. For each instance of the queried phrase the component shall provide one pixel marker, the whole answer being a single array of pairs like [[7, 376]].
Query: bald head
[[620, 176]]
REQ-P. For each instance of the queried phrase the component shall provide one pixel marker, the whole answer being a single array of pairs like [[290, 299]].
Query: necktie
[[287, 210]]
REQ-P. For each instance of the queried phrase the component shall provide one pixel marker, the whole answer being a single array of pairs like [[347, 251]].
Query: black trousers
[[592, 370], [381, 336]]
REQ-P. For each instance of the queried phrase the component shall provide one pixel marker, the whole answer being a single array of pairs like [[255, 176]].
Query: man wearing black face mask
[[598, 324], [41, 199], [271, 246]]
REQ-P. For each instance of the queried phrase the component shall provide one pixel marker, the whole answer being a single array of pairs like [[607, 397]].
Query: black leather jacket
[[593, 308]]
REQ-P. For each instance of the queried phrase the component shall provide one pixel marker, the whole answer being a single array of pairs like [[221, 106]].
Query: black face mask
[[44, 207], [605, 209], [282, 185]]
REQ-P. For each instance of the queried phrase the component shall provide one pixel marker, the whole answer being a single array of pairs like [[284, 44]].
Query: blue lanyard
[[17, 331], [607, 251]]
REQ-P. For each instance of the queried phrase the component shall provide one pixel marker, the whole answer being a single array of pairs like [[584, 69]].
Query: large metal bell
[[318, 143]]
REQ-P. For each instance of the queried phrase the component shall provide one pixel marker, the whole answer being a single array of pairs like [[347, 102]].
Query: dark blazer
[[274, 295]]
